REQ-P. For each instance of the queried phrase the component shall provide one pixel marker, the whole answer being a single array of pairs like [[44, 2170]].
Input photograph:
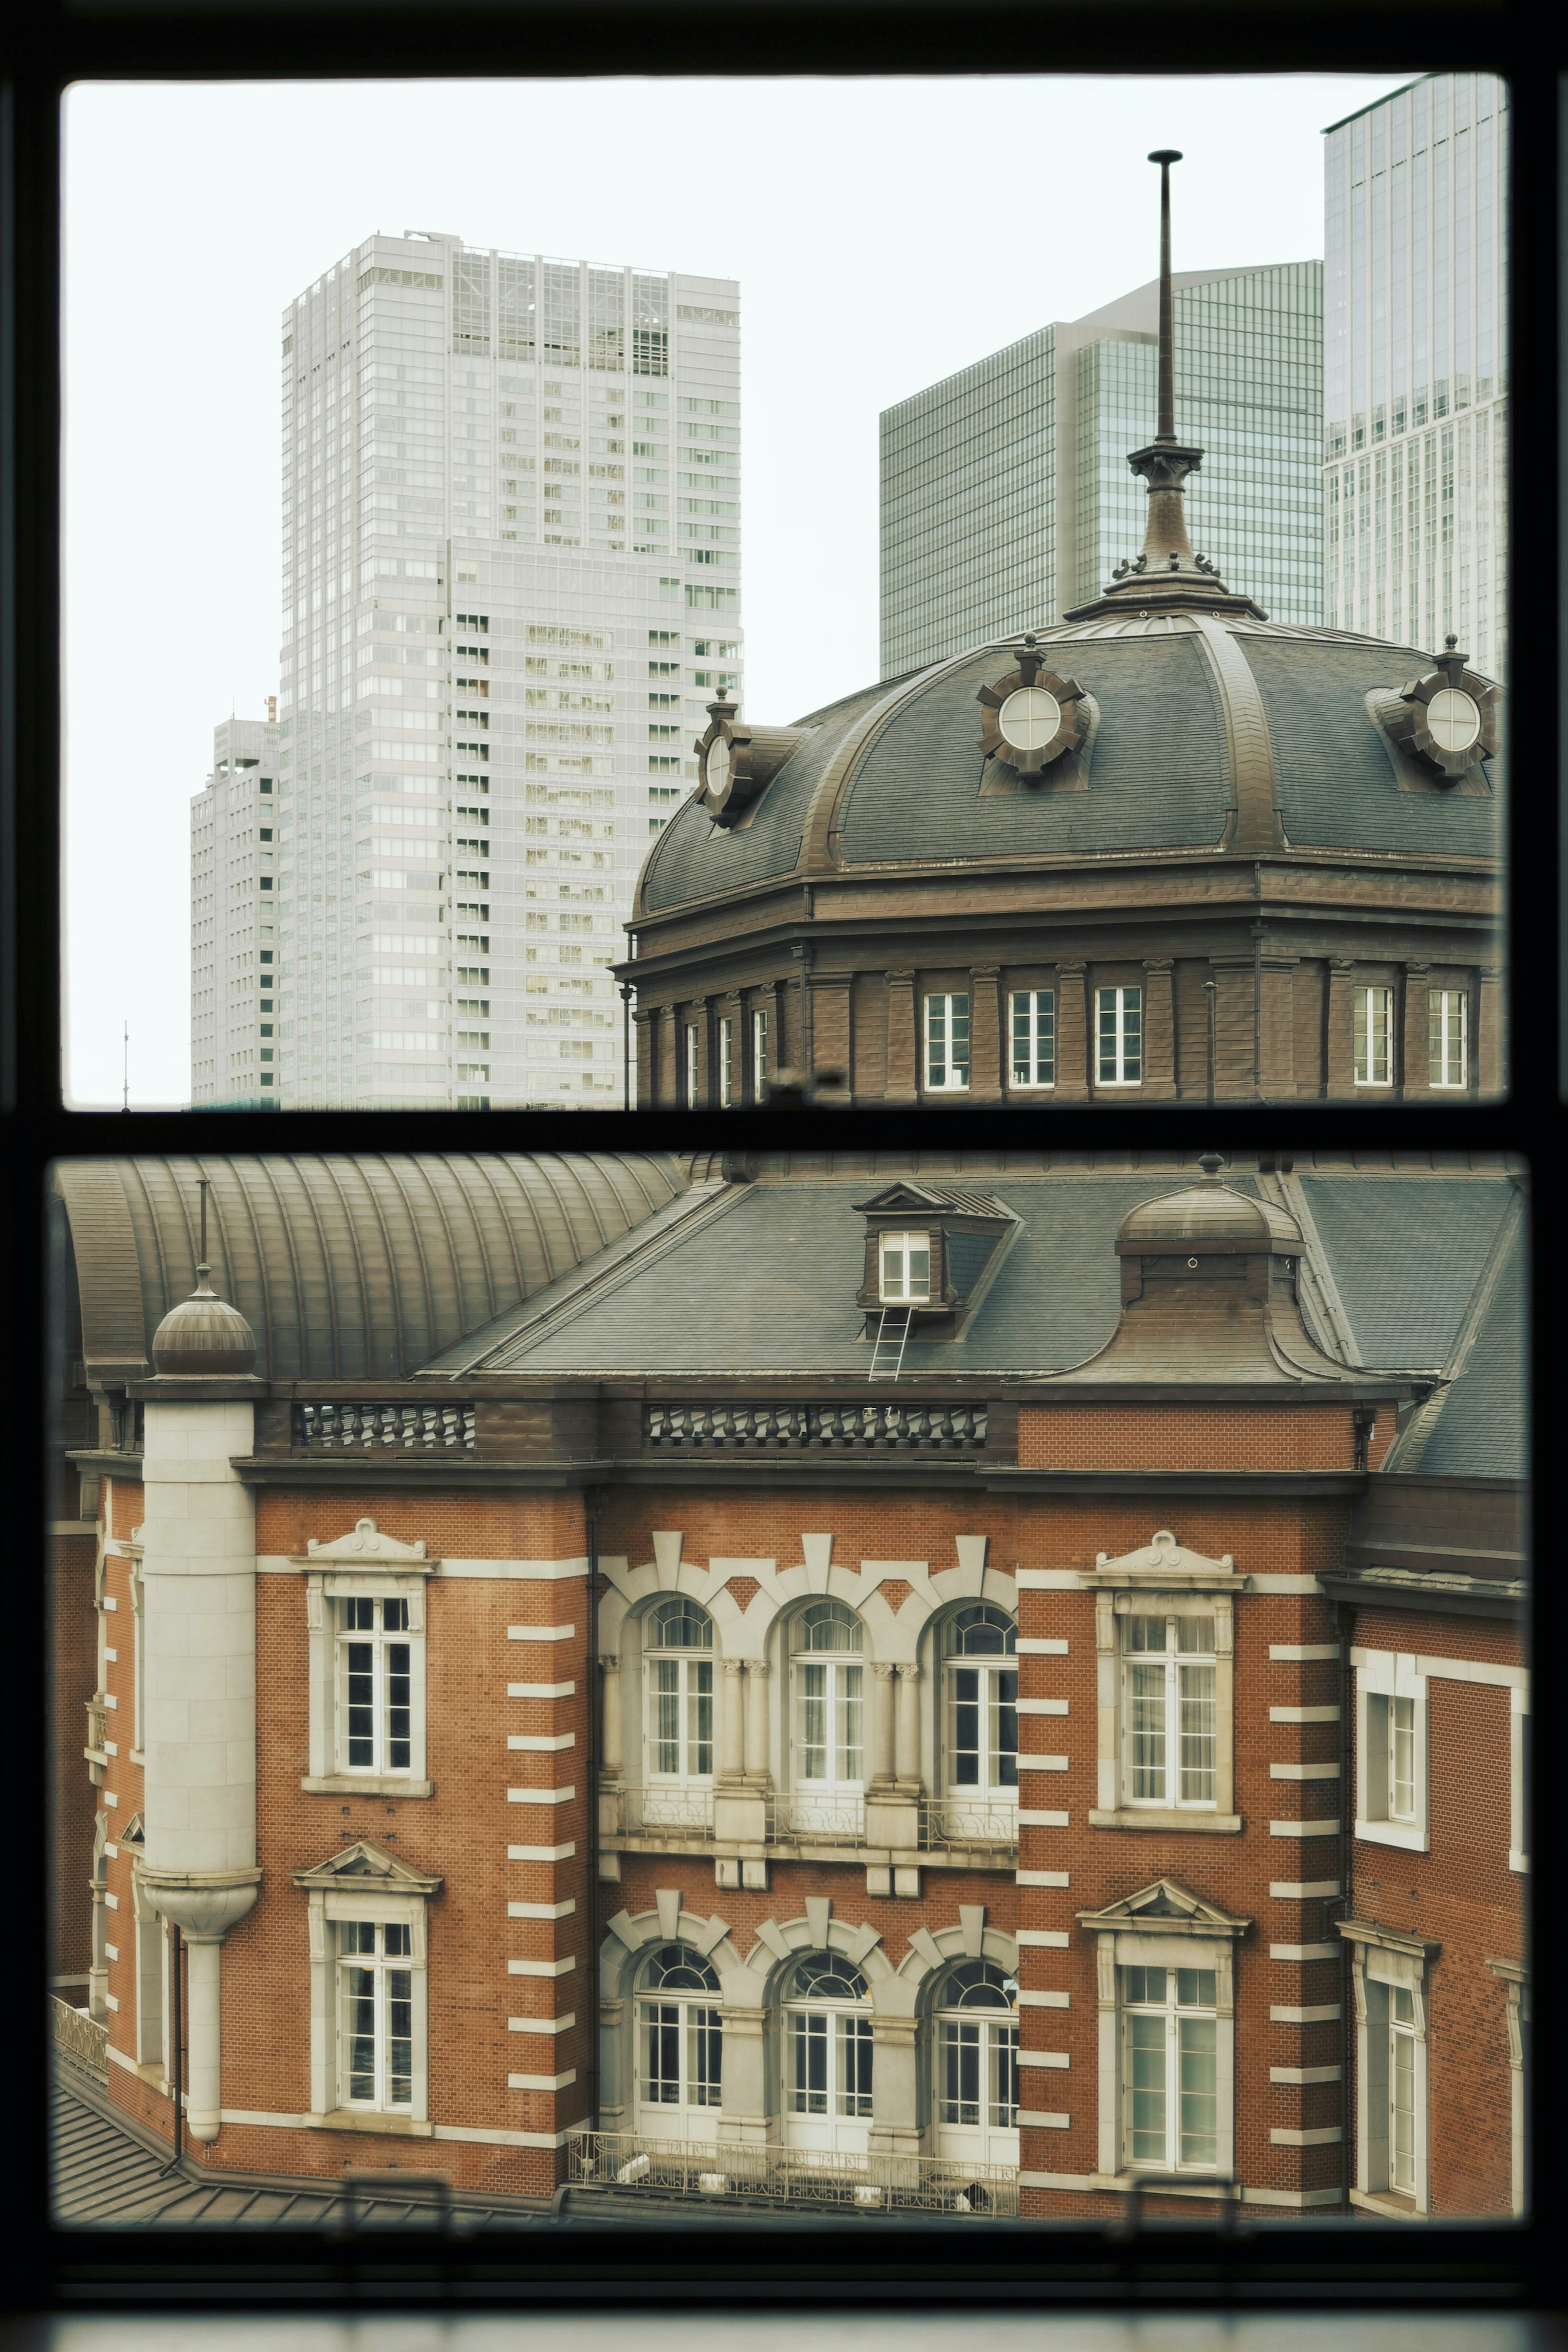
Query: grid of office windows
[[1248, 390], [968, 507], [1414, 389]]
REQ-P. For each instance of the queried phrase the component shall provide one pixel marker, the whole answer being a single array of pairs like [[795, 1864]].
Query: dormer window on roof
[[931, 1253]]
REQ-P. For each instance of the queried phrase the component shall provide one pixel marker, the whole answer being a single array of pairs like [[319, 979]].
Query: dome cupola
[[203, 1338]]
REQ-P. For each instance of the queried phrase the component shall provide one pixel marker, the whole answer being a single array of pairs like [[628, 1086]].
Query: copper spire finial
[[1165, 430], [1167, 576]]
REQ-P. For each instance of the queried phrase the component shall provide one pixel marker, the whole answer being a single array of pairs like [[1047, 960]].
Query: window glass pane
[[400, 2037], [1198, 1734], [849, 1740], [1003, 2083], [1145, 1633], [668, 1715], [395, 1616], [1402, 1758], [1004, 1685], [1198, 2085], [964, 1759], [359, 1695], [700, 1717], [706, 2057], [1195, 1634], [1146, 2073], [1147, 1729], [399, 1747], [1195, 1988], [854, 2065], [662, 2084], [1131, 1035], [360, 2026], [1145, 1985], [813, 1722]]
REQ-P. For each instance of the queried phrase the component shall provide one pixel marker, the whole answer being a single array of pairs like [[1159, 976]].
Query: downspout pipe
[[592, 1506]]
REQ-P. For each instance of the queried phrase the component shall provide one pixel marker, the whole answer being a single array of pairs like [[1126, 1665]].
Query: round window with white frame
[[827, 1739], [828, 2053], [980, 1723], [678, 2063], [1028, 719], [974, 2097], [677, 1648]]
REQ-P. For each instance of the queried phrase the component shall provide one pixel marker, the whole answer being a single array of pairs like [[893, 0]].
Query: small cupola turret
[[203, 1338]]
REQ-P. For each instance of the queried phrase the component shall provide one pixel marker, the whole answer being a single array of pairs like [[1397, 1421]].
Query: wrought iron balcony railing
[[332, 1428], [796, 2175], [633, 1810], [80, 2036], [792, 1819], [895, 1427]]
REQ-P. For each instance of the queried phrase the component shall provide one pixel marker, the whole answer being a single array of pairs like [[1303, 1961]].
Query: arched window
[[679, 2045], [828, 1746], [678, 1714], [974, 2073], [981, 1690], [827, 2055]]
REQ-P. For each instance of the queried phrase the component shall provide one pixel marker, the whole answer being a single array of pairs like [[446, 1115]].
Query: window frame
[[946, 2012], [384, 1968], [758, 1051], [949, 1017], [1135, 2002], [1363, 1056], [1120, 1950], [842, 2095], [1385, 1963], [708, 2002], [691, 1052], [329, 1771], [905, 1236], [331, 1907], [1173, 1702], [846, 1794], [1439, 1001], [1036, 1015], [683, 1656], [1121, 1595], [992, 1790], [1118, 992], [725, 1054], [1383, 1679]]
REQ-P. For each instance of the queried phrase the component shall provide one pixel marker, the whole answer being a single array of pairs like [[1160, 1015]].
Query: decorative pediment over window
[[932, 1248], [363, 1867], [366, 1547], [1164, 1908], [1163, 1561]]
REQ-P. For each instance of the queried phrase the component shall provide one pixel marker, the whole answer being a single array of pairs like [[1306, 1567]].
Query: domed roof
[[1206, 729], [205, 1337], [1167, 716], [1207, 1219]]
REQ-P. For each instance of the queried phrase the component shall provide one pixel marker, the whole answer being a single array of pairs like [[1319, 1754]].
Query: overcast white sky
[[883, 233]]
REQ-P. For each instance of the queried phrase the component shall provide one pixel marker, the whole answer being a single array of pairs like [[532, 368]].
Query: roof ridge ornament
[[1166, 575]]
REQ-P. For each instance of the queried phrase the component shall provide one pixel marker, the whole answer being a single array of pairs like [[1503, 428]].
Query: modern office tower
[[1006, 497], [511, 583], [234, 924], [1415, 472]]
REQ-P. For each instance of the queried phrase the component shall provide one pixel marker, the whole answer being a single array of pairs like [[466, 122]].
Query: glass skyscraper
[[511, 584], [1006, 497], [1414, 413]]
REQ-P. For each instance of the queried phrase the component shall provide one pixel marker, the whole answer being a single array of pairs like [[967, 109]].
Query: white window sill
[[1520, 1862], [366, 2119], [1385, 2201], [1032, 1086], [366, 1784], [1159, 1817], [1117, 1086], [1410, 1835]]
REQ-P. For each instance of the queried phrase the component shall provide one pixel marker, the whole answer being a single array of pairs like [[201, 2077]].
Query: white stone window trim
[[1205, 1938], [362, 1884], [1516, 1981], [1380, 1957], [1518, 1778], [1162, 1576], [1383, 1676], [1418, 1670], [365, 1565]]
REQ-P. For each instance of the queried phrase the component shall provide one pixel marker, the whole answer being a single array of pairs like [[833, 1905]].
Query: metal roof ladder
[[891, 1338]]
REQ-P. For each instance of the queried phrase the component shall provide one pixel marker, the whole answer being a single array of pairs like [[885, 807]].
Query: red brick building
[[801, 1678]]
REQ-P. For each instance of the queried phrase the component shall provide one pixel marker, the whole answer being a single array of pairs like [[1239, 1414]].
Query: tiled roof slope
[[768, 1283], [1335, 783], [1478, 1427]]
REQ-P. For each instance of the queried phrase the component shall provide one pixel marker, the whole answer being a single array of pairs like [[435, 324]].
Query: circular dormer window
[[1028, 719], [1454, 720], [716, 767]]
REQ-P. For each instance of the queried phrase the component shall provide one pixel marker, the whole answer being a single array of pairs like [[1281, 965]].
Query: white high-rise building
[[234, 924], [511, 584], [1414, 367]]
